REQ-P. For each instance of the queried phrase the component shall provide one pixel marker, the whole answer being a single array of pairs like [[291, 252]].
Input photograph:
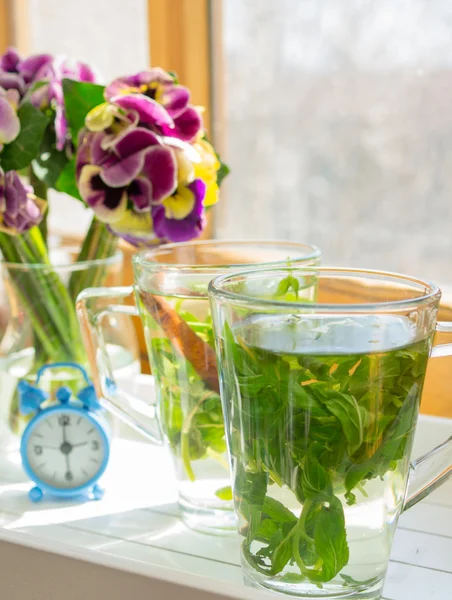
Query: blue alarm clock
[[65, 447]]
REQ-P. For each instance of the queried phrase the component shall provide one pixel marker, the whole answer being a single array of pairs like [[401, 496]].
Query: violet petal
[[160, 167], [123, 171], [149, 111]]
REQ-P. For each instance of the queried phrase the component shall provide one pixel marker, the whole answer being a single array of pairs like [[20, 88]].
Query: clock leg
[[98, 492], [35, 494]]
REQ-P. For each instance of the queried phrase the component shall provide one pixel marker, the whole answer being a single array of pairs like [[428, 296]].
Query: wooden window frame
[[185, 36], [14, 26]]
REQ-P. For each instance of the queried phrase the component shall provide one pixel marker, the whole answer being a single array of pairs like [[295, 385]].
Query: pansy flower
[[50, 93], [134, 172], [9, 121], [159, 87], [22, 75], [181, 217], [19, 208]]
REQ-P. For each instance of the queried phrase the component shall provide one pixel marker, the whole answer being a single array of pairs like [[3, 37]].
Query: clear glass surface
[[20, 352], [171, 292], [321, 403]]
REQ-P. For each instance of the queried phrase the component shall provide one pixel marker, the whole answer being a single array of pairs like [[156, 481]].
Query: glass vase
[[30, 318]]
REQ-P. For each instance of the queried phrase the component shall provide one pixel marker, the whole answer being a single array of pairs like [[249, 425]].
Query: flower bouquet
[[134, 151]]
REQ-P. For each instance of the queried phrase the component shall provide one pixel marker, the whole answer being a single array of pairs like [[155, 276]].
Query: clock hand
[[79, 444]]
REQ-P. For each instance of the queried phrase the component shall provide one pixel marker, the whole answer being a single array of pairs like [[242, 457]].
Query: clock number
[[68, 476], [38, 450], [95, 445], [64, 420]]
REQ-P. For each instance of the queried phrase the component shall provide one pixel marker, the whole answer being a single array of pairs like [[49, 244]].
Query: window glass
[[339, 129]]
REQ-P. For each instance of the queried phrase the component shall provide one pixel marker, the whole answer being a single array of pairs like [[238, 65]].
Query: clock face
[[65, 449]]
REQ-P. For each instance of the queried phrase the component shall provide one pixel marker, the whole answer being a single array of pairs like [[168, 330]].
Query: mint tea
[[320, 412], [179, 337]]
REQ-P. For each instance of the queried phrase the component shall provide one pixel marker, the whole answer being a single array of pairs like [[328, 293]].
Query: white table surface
[[136, 528]]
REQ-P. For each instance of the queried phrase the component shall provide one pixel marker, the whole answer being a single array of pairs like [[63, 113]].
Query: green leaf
[[279, 548], [295, 285], [350, 581], [224, 493], [222, 172], [394, 446], [67, 182], [277, 511], [292, 578], [283, 286], [315, 480], [289, 282], [79, 98], [347, 410], [283, 551], [266, 530], [26, 146], [250, 487], [50, 162], [330, 541]]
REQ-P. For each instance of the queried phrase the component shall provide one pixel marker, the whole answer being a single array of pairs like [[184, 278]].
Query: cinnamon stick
[[184, 339]]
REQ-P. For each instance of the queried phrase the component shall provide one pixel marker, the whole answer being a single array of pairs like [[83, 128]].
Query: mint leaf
[[350, 415], [79, 98], [224, 493], [279, 548], [277, 511], [283, 286], [316, 482], [330, 540], [250, 487], [26, 146]]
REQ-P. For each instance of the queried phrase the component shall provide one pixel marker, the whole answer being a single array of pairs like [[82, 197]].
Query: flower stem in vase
[[40, 189], [43, 295], [99, 243]]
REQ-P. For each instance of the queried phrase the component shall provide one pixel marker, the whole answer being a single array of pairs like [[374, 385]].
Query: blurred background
[[334, 116]]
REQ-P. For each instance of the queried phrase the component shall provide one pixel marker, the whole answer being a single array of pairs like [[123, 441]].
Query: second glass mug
[[170, 287], [321, 401]]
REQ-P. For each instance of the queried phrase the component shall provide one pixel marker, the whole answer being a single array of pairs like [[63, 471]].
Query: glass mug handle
[[434, 468], [129, 408]]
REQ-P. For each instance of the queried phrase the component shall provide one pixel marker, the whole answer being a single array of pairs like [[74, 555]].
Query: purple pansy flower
[[10, 61], [9, 121], [136, 165], [157, 86], [18, 74], [21, 75], [135, 170], [161, 224], [167, 226], [51, 93], [32, 67], [19, 208]]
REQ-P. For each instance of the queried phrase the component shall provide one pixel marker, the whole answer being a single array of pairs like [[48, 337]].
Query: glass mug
[[171, 295], [321, 401]]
